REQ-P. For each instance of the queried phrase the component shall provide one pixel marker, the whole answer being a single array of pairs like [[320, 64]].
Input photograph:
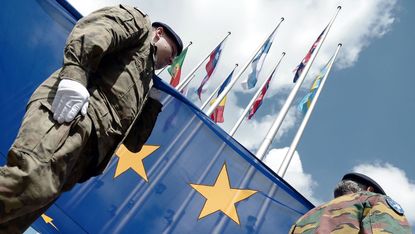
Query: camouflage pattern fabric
[[362, 212], [110, 53]]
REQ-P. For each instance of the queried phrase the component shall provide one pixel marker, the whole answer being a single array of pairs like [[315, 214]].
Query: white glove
[[71, 97]]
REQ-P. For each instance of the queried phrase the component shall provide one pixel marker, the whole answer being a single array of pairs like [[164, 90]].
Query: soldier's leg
[[40, 161]]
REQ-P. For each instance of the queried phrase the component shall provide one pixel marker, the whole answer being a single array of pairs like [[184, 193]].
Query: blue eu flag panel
[[190, 176]]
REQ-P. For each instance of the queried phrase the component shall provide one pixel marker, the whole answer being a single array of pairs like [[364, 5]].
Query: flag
[[210, 67], [257, 63], [306, 101], [162, 187], [258, 100], [217, 114], [175, 68], [299, 69]]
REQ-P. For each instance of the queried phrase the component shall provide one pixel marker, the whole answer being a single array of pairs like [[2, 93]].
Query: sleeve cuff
[[75, 73]]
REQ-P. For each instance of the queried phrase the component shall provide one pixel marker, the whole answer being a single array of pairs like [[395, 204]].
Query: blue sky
[[366, 113], [363, 120]]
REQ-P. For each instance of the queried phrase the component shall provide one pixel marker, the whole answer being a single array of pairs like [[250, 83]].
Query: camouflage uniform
[[362, 212], [109, 52]]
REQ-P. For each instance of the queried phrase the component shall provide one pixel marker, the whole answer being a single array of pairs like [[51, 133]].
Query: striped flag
[[258, 100], [306, 101], [299, 69], [175, 69], [257, 63], [210, 67], [217, 115]]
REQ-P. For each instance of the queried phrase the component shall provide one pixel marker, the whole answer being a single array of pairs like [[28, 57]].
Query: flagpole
[[284, 110], [214, 92], [190, 43], [287, 159], [188, 78], [228, 88], [159, 72], [238, 123], [274, 128]]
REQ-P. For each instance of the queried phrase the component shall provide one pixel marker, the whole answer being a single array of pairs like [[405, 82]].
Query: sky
[[363, 120]]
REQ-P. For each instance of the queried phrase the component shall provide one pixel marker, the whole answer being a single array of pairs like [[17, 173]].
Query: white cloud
[[206, 22], [395, 183], [295, 175]]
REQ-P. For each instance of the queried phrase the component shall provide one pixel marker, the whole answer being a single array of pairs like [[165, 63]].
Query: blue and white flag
[[257, 63]]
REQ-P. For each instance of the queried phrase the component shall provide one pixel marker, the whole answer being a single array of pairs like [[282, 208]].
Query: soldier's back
[[363, 212]]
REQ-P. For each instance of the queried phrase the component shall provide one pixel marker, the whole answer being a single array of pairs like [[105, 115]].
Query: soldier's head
[[168, 44], [356, 182]]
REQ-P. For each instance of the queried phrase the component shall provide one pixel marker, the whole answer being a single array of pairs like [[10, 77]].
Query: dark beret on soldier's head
[[171, 34], [364, 180]]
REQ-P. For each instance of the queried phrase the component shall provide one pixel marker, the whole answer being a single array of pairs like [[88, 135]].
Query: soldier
[[360, 206], [77, 118]]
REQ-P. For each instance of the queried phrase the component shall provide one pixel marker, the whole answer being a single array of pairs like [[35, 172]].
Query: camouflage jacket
[[362, 212], [109, 51]]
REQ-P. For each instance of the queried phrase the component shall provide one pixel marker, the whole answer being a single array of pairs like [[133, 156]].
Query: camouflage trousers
[[45, 160]]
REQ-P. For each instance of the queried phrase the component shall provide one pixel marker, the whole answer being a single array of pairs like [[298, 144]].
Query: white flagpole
[[274, 128], [284, 110], [229, 87], [241, 118], [214, 92], [189, 77], [159, 72], [287, 159]]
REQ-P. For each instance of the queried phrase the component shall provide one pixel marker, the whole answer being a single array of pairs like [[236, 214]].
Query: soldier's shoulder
[[132, 9], [387, 215], [384, 201]]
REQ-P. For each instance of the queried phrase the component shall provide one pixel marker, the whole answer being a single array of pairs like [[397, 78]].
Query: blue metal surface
[[31, 47]]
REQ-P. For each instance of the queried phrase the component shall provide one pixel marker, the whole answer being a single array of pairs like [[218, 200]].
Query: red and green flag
[[175, 69]]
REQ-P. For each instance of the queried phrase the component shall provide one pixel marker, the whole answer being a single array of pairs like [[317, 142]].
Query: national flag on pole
[[210, 67], [257, 63], [175, 68], [299, 69], [306, 101], [217, 114], [259, 99]]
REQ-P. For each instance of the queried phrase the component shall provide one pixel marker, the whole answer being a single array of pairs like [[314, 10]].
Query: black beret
[[365, 180], [173, 36]]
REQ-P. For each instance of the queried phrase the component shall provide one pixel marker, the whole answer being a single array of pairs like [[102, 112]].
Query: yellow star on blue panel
[[128, 159], [221, 196]]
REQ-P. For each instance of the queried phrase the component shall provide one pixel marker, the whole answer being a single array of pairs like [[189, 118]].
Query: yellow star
[[128, 159], [221, 196]]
